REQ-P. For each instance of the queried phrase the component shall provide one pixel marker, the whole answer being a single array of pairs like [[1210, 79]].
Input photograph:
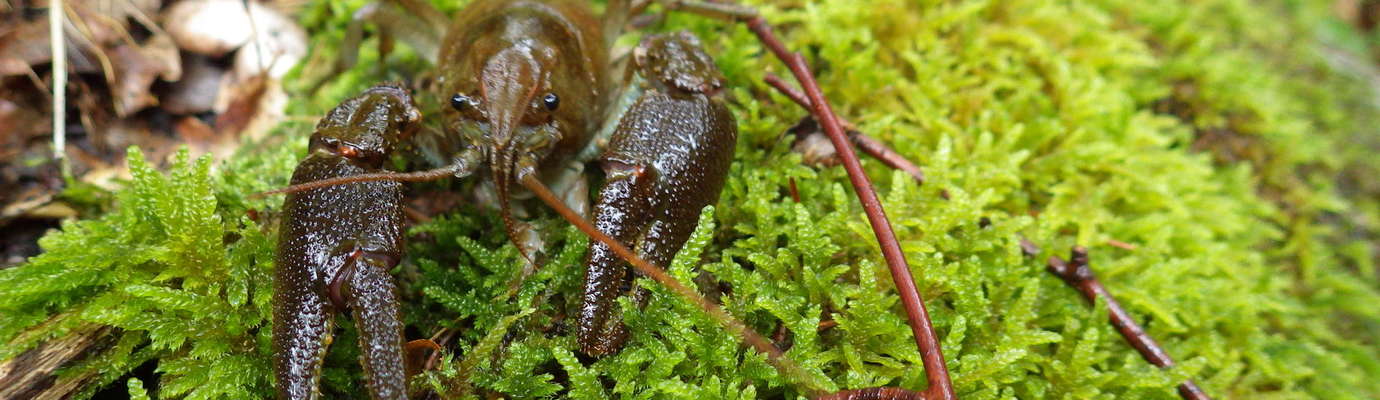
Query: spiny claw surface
[[666, 161]]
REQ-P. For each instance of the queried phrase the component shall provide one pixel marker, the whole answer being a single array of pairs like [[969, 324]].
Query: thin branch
[[255, 39], [1121, 244], [1077, 274], [936, 371], [58, 41], [876, 393], [867, 144], [795, 192]]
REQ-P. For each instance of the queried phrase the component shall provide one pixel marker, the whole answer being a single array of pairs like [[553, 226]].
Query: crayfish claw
[[336, 245], [373, 301]]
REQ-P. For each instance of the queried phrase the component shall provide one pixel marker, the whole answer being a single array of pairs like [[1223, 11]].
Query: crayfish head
[[511, 111], [508, 107], [525, 81]]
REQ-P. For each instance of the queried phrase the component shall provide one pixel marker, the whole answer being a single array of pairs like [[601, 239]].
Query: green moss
[[1224, 140], [159, 269]]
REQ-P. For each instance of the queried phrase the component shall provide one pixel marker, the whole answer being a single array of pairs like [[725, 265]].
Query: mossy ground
[[1213, 135]]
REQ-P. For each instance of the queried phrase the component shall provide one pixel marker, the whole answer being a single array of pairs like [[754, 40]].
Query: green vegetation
[[1221, 139]]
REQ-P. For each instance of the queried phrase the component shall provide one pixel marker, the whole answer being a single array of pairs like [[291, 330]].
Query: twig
[[867, 144], [58, 41], [255, 39], [936, 371], [876, 393], [1076, 273], [1121, 244]]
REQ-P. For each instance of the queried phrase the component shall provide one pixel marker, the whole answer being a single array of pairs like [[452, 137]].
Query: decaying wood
[[33, 374]]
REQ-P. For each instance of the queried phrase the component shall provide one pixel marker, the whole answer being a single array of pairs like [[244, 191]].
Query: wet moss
[[1224, 140]]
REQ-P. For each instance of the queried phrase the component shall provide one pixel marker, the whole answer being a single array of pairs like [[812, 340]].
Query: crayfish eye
[[551, 101], [459, 102]]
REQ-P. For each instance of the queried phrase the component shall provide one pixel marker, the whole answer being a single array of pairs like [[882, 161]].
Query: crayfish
[[530, 85], [533, 95]]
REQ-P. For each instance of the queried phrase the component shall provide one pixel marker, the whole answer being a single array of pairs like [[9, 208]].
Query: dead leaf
[[812, 144], [25, 45], [252, 109], [199, 136], [241, 103], [216, 27], [279, 44], [20, 123], [196, 92], [136, 67]]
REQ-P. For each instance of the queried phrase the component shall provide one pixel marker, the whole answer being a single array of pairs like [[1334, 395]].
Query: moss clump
[[181, 283], [1207, 133]]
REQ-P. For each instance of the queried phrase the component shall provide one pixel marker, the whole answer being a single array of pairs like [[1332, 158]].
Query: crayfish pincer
[[667, 159], [337, 244]]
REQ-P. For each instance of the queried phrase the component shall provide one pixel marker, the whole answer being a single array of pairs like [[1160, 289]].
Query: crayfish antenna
[[509, 224], [419, 176], [774, 355]]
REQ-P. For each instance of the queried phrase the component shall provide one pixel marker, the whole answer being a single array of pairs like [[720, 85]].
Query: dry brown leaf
[[25, 44], [216, 27], [242, 103], [136, 67], [253, 108], [199, 137], [196, 92], [279, 45], [20, 124], [22, 46]]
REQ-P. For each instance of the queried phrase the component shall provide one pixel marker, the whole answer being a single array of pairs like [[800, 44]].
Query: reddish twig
[[877, 393], [869, 145], [1121, 244], [936, 371], [1077, 274], [795, 193], [780, 336]]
